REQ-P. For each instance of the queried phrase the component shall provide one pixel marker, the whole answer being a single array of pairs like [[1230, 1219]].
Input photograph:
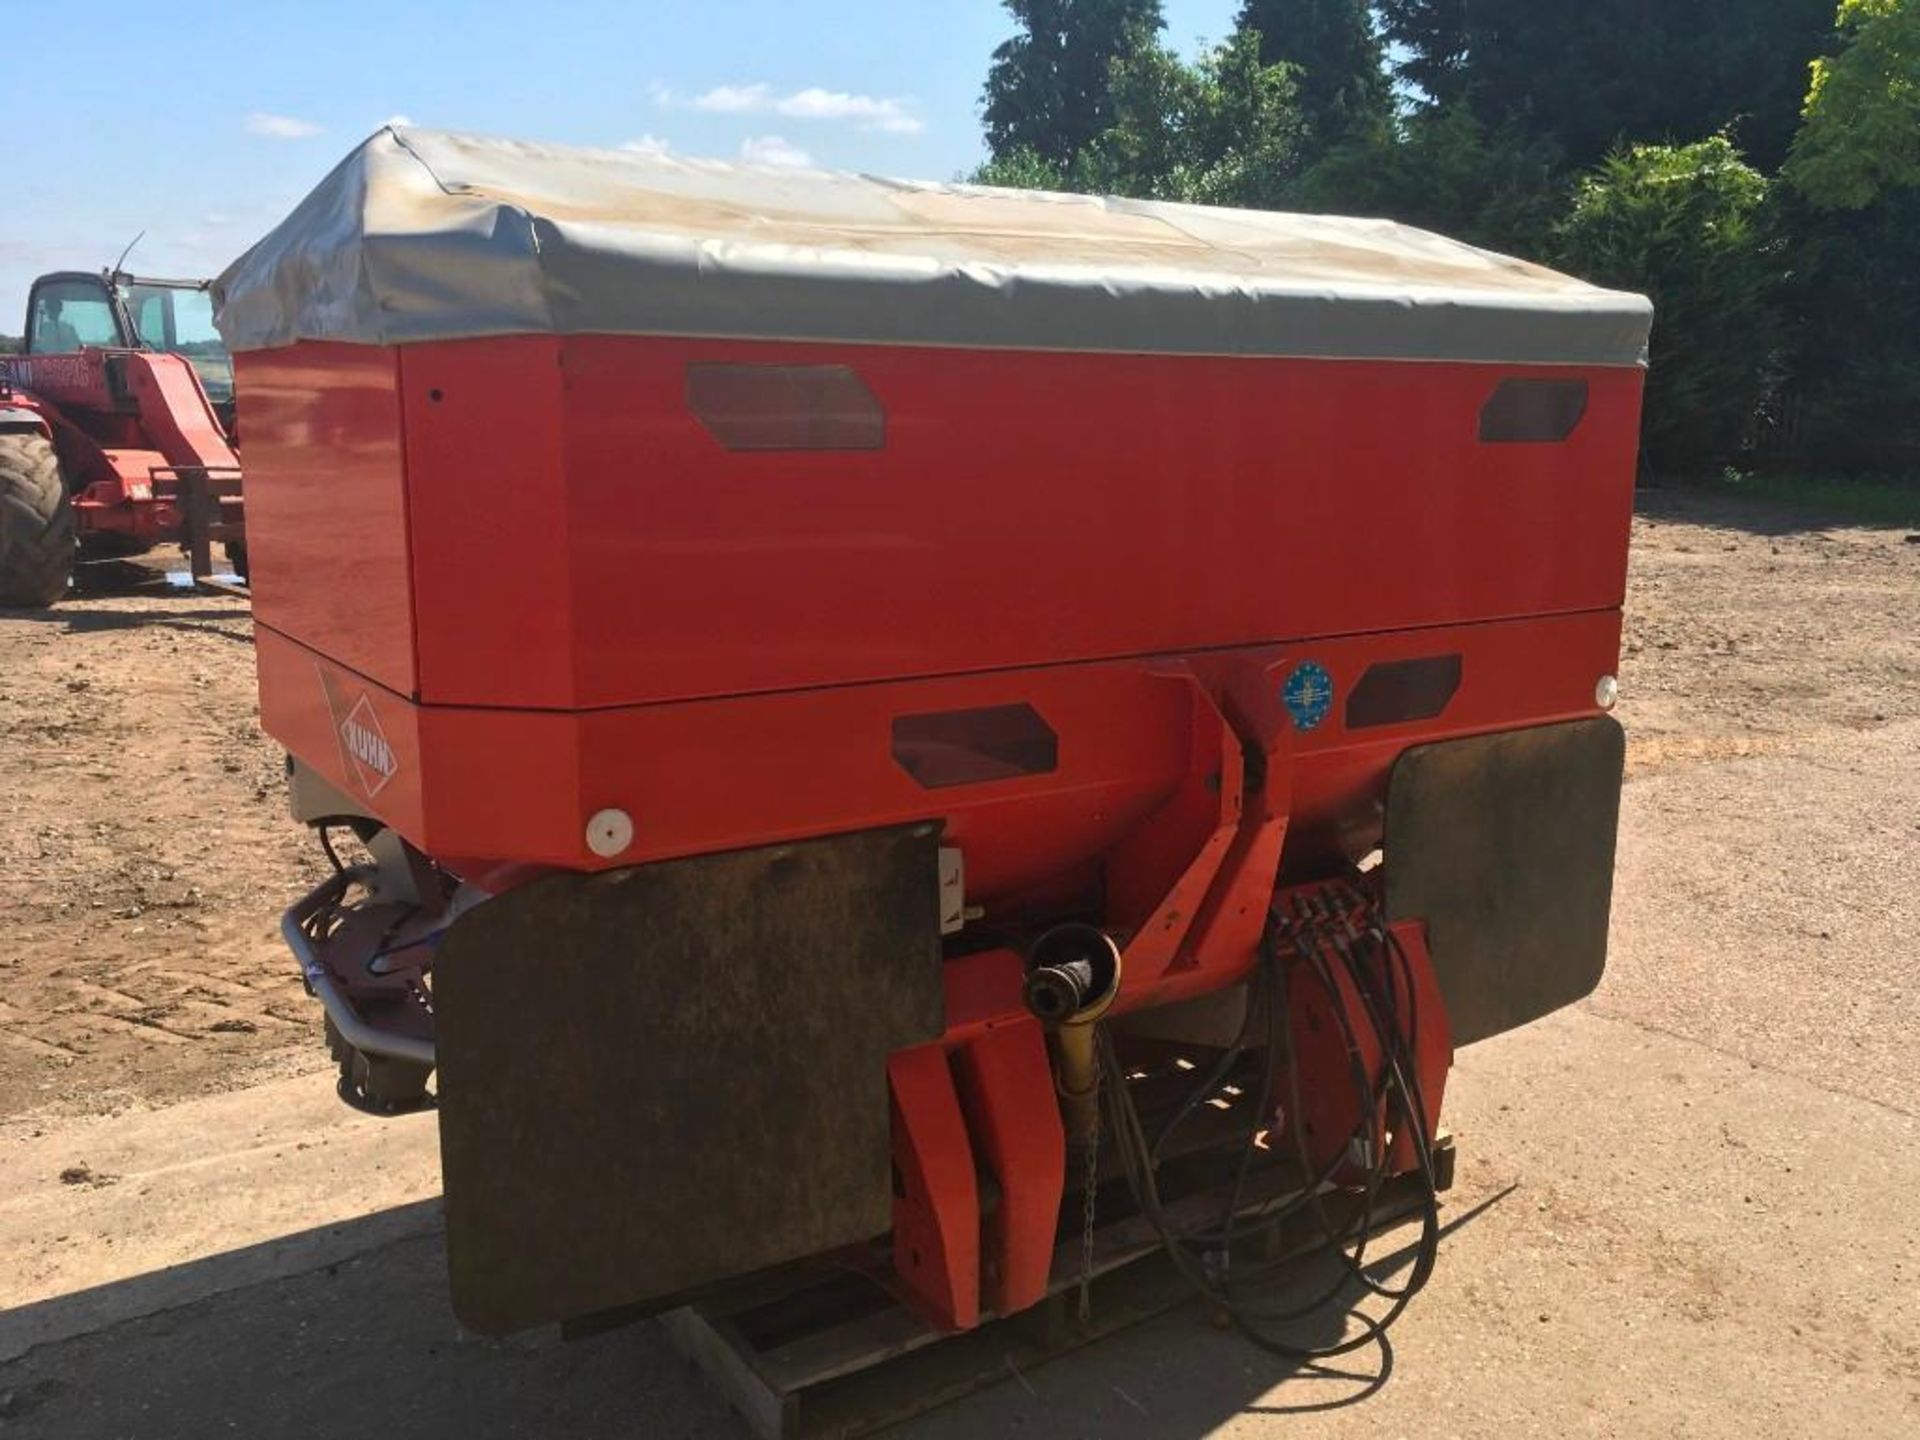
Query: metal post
[[197, 502]]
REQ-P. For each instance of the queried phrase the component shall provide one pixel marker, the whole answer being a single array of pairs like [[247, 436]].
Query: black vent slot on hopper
[[1396, 691], [786, 407], [967, 747], [1533, 411]]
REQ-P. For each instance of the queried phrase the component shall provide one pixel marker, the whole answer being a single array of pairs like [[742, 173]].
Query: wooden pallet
[[841, 1357]]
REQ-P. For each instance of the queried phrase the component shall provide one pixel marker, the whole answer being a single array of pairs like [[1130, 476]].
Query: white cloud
[[280, 127], [773, 150], [870, 112], [646, 145], [401, 119], [735, 99]]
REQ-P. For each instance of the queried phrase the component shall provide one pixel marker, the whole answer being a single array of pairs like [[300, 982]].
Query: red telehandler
[[116, 432]]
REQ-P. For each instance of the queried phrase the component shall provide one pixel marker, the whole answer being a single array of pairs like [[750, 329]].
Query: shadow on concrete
[[363, 1346], [101, 1307], [1182, 1376], [251, 1343], [134, 576], [145, 580], [92, 621], [162, 605]]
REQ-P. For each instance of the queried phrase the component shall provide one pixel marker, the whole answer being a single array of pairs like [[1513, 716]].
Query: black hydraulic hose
[[1315, 941]]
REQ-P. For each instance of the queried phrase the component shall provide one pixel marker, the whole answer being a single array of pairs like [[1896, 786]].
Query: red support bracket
[[1158, 877], [1222, 943], [936, 1200], [1007, 1093]]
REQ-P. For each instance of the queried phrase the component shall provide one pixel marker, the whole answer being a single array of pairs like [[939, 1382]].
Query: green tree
[[1851, 302], [1861, 135], [1021, 169], [1432, 39], [1048, 88], [1339, 72], [1224, 130], [1852, 222], [1593, 75], [1443, 170], [1684, 224]]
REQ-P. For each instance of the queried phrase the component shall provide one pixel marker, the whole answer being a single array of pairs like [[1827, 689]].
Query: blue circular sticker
[[1308, 694]]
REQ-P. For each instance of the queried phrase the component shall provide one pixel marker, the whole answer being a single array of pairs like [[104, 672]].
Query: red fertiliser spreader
[[938, 734]]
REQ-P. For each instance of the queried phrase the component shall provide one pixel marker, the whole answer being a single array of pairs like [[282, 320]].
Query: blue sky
[[203, 124]]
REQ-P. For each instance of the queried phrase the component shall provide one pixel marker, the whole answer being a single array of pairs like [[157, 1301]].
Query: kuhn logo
[[364, 751], [366, 746]]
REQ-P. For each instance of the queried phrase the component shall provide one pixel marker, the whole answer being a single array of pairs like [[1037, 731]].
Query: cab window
[[68, 314], [179, 319], [174, 318]]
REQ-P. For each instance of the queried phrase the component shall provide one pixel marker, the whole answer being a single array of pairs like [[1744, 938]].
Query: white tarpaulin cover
[[424, 235]]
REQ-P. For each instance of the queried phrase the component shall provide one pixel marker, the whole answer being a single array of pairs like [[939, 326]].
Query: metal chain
[[1091, 1184]]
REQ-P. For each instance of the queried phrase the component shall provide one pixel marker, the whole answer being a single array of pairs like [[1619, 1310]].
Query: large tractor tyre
[[36, 523]]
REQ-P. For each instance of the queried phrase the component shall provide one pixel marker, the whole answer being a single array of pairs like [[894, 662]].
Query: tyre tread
[[37, 537]]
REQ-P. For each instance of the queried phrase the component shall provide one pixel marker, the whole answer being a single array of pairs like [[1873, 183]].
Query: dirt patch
[[145, 855], [146, 851], [1750, 632]]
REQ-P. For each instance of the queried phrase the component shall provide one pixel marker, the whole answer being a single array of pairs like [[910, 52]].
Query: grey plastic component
[[363, 1036], [311, 796]]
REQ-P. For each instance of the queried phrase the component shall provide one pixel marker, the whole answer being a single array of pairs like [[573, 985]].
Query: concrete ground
[[1685, 1206]]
